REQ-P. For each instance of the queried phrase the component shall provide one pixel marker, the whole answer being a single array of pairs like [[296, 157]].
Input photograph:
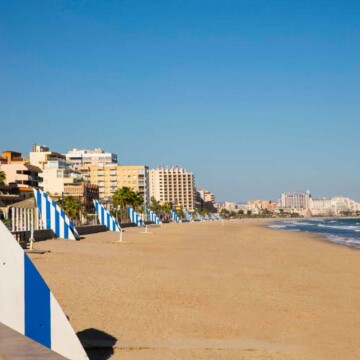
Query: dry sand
[[207, 291]]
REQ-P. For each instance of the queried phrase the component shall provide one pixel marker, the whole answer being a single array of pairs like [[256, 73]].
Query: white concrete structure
[[96, 156], [173, 184]]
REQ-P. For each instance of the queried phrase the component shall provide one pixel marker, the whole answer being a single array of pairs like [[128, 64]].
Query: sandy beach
[[208, 291]]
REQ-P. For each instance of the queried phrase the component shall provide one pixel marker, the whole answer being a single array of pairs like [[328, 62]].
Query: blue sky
[[254, 97]]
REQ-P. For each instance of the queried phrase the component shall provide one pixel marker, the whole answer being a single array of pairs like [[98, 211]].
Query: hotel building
[[173, 184], [295, 200]]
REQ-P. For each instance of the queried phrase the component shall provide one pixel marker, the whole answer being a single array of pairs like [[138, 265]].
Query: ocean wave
[[353, 242], [341, 227], [278, 226]]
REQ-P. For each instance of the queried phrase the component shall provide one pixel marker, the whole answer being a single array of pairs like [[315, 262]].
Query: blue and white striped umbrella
[[175, 217], [27, 304], [106, 218], [135, 218], [188, 216], [154, 218], [54, 218]]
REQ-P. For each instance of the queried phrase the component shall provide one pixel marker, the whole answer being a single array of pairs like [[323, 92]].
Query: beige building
[[262, 205], [56, 171], [207, 199], [111, 177], [21, 176], [173, 184]]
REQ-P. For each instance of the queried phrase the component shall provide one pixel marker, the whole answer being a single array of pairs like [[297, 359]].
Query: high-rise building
[[173, 184], [96, 156], [295, 200], [110, 177]]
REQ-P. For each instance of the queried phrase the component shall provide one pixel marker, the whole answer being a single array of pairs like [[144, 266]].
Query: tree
[[71, 207], [125, 197], [224, 212], [2, 177], [154, 205]]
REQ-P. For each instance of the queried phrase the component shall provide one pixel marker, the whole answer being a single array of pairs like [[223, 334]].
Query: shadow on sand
[[98, 344]]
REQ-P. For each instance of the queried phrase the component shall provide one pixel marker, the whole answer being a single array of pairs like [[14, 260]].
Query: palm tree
[[2, 177], [154, 205], [136, 200], [71, 207], [125, 197]]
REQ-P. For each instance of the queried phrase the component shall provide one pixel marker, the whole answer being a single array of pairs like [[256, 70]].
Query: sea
[[340, 231]]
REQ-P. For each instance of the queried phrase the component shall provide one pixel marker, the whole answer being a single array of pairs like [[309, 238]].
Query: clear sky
[[255, 97]]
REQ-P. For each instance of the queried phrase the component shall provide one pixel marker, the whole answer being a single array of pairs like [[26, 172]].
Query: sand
[[207, 291]]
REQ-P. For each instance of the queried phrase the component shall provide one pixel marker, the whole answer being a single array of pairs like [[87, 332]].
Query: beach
[[208, 291]]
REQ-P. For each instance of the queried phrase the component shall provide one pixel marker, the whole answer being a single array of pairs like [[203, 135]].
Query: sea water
[[340, 231]]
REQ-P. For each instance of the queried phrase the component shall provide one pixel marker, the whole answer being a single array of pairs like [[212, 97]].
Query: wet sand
[[208, 291]]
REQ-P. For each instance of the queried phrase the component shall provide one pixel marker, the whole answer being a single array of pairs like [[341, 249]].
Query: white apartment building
[[322, 206], [173, 184], [295, 200], [78, 157], [333, 206]]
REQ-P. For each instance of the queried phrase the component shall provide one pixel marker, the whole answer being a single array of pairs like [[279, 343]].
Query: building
[[110, 177], [321, 207], [295, 200], [233, 207], [96, 156], [173, 185], [262, 205], [207, 199], [56, 171], [13, 157], [83, 192], [22, 177]]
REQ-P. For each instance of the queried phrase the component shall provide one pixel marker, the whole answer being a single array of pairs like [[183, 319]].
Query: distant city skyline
[[255, 99]]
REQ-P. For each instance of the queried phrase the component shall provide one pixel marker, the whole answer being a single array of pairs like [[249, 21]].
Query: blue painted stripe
[[57, 224], [38, 200], [48, 214], [37, 305], [66, 231]]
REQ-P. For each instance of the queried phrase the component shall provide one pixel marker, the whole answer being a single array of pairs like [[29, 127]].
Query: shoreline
[[203, 290], [328, 237]]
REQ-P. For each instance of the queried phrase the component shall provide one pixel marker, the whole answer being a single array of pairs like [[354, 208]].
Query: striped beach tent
[[188, 216], [175, 217], [154, 218], [199, 217], [135, 217], [28, 306], [213, 217], [105, 217], [54, 218]]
